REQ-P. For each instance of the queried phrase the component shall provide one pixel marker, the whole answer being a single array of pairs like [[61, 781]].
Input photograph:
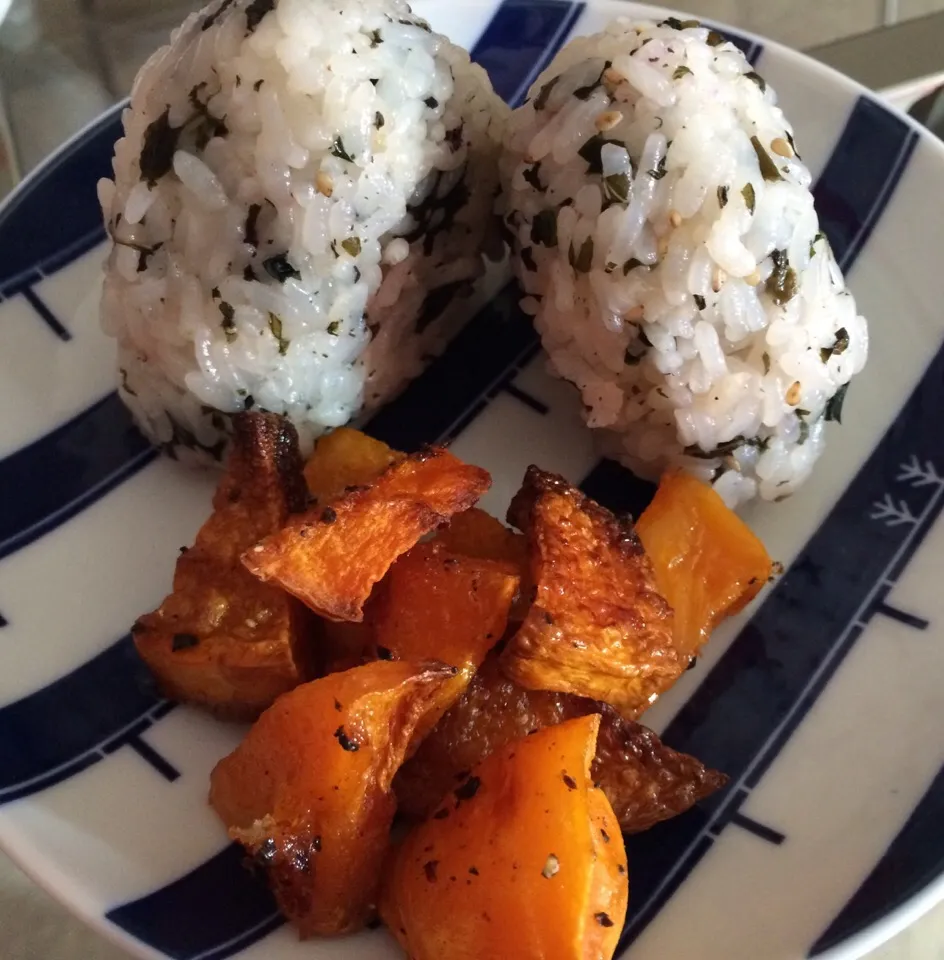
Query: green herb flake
[[700, 302], [804, 433], [819, 236], [722, 197], [333, 327], [750, 198], [834, 405], [582, 260], [765, 357], [544, 229], [782, 282], [275, 325], [592, 152], [541, 102], [768, 168], [379, 120], [337, 150], [677, 24], [616, 188], [680, 72], [351, 245], [757, 79], [375, 38]]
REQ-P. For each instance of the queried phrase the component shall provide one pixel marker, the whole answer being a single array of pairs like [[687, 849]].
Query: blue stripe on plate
[[211, 913], [521, 40], [62, 197], [54, 478], [861, 176], [74, 722], [908, 865]]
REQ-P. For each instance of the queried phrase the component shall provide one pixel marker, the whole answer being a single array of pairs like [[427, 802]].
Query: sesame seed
[[781, 147], [793, 394], [608, 120]]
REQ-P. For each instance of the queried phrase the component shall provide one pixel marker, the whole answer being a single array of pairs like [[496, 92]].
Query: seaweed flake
[[757, 79], [214, 17], [681, 71], [835, 403], [160, 145], [616, 188], [782, 282], [660, 170], [840, 346], [279, 268], [541, 101], [722, 197], [252, 217], [255, 13], [582, 260], [544, 229], [750, 197], [700, 302], [275, 325], [532, 176], [768, 168], [592, 152], [337, 150], [584, 93]]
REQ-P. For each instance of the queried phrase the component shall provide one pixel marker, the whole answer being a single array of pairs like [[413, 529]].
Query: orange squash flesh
[[707, 562], [331, 556], [522, 859], [308, 791], [435, 604], [346, 458]]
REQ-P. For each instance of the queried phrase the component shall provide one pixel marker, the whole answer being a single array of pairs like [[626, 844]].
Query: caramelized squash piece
[[523, 858], [598, 626], [644, 780], [435, 604], [308, 791], [708, 564], [222, 639], [331, 556], [346, 458]]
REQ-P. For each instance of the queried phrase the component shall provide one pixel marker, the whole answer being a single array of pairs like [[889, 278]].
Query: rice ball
[[664, 233], [302, 189]]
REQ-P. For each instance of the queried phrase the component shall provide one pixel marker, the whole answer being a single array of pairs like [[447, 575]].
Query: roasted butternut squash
[[522, 859], [331, 556], [308, 791], [707, 562], [644, 780], [346, 458], [221, 639], [435, 604], [598, 626]]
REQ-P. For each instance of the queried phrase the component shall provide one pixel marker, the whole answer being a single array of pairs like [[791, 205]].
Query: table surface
[[63, 61]]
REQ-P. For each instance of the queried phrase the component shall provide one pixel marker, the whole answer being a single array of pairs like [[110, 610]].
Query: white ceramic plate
[[823, 702]]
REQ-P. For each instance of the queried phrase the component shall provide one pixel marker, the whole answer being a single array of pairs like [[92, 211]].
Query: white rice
[[676, 272], [313, 171]]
